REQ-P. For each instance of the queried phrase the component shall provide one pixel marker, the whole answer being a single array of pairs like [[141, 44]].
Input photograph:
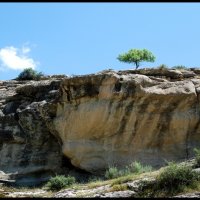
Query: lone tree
[[136, 56]]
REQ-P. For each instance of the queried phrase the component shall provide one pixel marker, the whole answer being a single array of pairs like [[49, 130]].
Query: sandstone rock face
[[116, 118], [98, 120]]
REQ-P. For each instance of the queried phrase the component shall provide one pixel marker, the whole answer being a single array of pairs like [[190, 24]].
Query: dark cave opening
[[81, 175], [66, 162]]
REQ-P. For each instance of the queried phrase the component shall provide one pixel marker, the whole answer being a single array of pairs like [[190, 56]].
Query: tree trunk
[[137, 65]]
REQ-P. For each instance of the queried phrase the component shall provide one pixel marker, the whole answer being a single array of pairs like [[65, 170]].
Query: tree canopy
[[136, 56]]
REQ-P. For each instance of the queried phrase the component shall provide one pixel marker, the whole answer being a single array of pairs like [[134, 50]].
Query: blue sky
[[83, 38]]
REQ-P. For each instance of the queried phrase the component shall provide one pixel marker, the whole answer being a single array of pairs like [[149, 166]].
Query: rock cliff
[[27, 147], [98, 120]]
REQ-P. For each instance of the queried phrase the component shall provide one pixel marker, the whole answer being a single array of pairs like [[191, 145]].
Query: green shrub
[[179, 67], [112, 172], [29, 74], [175, 178], [197, 157], [137, 167], [59, 182], [162, 67]]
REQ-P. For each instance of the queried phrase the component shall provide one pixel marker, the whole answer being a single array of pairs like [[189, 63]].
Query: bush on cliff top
[[29, 74], [180, 67], [162, 67]]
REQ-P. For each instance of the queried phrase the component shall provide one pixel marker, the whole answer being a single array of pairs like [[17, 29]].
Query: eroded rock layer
[[98, 120], [115, 118], [29, 152]]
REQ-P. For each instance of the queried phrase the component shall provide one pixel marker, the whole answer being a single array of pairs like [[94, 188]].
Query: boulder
[[117, 118]]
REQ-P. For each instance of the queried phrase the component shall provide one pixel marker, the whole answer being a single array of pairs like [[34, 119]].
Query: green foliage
[[112, 172], [162, 67], [175, 178], [137, 168], [180, 67], [136, 56], [59, 182], [29, 74], [134, 167], [197, 157]]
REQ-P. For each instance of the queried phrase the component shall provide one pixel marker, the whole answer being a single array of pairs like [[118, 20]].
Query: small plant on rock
[[112, 172], [137, 167], [180, 67], [162, 67], [134, 168]]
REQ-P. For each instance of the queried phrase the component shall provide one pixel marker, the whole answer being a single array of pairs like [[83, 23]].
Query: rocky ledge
[[97, 120]]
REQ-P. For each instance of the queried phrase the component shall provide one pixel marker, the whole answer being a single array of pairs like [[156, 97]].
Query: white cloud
[[16, 59], [25, 50]]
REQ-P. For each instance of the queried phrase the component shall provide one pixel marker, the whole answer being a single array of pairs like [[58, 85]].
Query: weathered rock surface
[[189, 195], [83, 192], [117, 194], [97, 120], [131, 189], [115, 118], [29, 152], [29, 194]]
